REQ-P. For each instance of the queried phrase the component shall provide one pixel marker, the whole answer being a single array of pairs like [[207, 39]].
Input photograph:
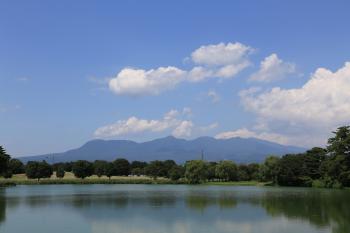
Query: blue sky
[[72, 71]]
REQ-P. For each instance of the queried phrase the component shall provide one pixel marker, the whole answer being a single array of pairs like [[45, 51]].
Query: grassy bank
[[237, 183], [21, 179], [69, 178]]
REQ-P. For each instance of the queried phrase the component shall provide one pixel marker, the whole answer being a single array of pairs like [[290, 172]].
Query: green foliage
[[122, 167], [137, 171], [16, 166], [254, 171], [60, 172], [318, 184], [4, 161], [109, 170], [159, 168], [344, 178], [7, 174], [340, 143], [155, 169], [227, 170], [269, 169], [312, 162], [290, 170], [167, 166], [243, 172], [100, 167], [337, 164], [176, 172], [196, 171], [138, 164], [82, 169], [138, 168], [337, 185], [68, 166], [38, 170], [211, 171]]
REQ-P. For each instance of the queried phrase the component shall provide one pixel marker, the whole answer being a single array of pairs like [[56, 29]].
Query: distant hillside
[[180, 150]]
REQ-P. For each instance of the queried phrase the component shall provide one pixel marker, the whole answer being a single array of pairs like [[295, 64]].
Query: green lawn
[[69, 178]]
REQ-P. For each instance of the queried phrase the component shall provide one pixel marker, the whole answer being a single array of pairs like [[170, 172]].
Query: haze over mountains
[[241, 150]]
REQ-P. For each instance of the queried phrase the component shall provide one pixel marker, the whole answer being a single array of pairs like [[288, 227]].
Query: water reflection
[[2, 206], [317, 207], [182, 209]]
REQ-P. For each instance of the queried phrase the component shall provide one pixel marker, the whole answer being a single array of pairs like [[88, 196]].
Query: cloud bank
[[172, 120], [211, 61], [304, 115]]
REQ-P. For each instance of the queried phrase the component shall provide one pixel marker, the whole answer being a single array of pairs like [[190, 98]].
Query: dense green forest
[[318, 167]]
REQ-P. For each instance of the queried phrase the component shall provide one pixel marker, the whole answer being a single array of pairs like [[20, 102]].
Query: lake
[[172, 209]]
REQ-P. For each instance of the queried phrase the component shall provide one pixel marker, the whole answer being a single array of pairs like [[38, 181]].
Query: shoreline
[[124, 180]]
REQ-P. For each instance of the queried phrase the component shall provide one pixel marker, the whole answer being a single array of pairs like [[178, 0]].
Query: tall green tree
[[196, 171], [82, 169], [109, 170], [100, 167], [337, 164], [4, 161], [290, 170], [227, 170], [60, 172], [122, 167], [312, 162], [211, 171], [176, 172], [243, 172], [38, 170], [16, 166], [269, 169], [339, 144], [155, 169], [167, 166], [253, 170]]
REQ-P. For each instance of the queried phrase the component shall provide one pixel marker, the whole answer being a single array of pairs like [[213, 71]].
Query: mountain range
[[240, 150]]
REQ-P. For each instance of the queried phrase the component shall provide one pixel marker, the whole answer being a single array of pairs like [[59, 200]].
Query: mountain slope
[[180, 150]]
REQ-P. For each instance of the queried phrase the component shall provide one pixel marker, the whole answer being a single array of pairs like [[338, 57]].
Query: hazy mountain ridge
[[180, 150]]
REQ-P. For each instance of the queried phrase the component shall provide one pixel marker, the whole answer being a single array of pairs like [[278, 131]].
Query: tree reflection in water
[[2, 206], [320, 208]]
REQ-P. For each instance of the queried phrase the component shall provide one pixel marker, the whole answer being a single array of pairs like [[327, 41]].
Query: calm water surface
[[172, 209]]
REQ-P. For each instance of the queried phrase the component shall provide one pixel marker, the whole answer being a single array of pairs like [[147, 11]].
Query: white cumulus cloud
[[272, 68], [246, 133], [212, 61], [133, 125], [221, 54], [307, 114], [141, 82], [184, 129]]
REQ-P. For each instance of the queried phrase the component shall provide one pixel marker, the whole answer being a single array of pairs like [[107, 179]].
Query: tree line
[[319, 167]]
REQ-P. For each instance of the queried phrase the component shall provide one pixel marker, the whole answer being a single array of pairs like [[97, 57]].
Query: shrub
[[60, 172], [344, 178], [337, 185], [318, 184]]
